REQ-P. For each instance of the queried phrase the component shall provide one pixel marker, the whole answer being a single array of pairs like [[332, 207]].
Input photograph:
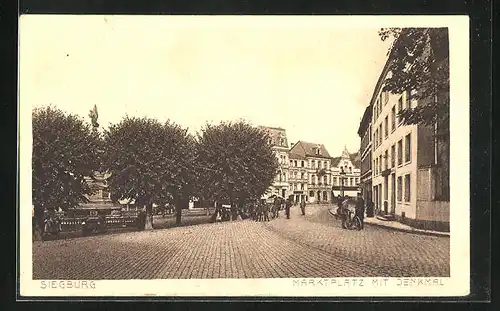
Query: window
[[334, 181], [408, 99], [350, 181], [375, 166], [408, 148], [301, 186], [386, 160], [407, 188], [311, 194], [350, 169], [400, 189], [380, 134], [302, 176], [393, 155], [400, 107], [295, 163], [291, 163], [302, 163], [400, 152], [393, 116], [386, 124], [325, 178], [380, 164]]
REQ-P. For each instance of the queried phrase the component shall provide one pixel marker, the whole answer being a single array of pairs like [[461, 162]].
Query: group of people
[[343, 209], [263, 211]]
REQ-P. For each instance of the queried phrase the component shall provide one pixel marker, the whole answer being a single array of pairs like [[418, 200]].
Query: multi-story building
[[278, 140], [346, 174], [402, 162], [365, 151], [298, 177], [312, 163]]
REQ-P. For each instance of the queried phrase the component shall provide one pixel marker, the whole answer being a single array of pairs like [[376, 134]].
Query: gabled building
[[279, 142], [348, 181], [312, 162]]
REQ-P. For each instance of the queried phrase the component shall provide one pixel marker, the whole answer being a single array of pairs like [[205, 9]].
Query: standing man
[[288, 204], [360, 209], [303, 207], [341, 211]]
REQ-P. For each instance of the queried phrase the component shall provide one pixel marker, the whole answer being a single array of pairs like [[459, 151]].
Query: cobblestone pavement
[[303, 246]]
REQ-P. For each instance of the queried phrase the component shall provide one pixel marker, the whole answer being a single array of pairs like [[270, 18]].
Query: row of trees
[[149, 162]]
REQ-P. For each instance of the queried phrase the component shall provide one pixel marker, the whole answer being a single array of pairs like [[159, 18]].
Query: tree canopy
[[419, 61], [64, 153], [236, 159], [149, 162]]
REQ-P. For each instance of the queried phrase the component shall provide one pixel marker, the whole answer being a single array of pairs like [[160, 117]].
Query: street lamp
[[342, 176]]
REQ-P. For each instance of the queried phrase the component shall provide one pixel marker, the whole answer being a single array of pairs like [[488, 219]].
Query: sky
[[312, 78]]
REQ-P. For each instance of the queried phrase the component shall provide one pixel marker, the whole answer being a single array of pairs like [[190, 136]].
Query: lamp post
[[342, 176]]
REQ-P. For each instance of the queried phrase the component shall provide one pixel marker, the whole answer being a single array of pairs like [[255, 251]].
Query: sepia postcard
[[249, 156]]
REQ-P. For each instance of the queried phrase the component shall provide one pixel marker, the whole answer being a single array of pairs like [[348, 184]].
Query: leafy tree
[[419, 62], [149, 162], [64, 153], [236, 161]]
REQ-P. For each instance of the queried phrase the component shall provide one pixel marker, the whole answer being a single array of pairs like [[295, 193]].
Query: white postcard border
[[456, 285]]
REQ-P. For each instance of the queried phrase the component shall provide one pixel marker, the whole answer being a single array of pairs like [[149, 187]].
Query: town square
[[241, 152]]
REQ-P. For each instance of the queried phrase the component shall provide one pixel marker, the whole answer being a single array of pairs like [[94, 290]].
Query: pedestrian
[[266, 212], [288, 204], [360, 209], [342, 210], [303, 207], [277, 204]]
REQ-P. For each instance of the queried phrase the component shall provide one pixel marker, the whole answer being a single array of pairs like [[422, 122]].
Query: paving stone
[[303, 246]]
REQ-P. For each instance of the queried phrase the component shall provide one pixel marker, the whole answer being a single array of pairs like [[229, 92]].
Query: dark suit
[[360, 210]]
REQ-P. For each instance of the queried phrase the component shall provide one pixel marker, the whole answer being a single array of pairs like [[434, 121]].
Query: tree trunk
[[178, 211], [149, 217], [38, 223]]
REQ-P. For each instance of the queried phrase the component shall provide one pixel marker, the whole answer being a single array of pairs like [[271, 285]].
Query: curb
[[414, 231]]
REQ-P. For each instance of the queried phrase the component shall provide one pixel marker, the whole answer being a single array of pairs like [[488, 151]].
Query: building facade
[[298, 177], [346, 174], [402, 162], [312, 163], [279, 142], [365, 151]]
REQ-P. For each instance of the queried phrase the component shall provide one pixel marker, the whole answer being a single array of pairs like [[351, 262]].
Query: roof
[[365, 120], [354, 157], [336, 160], [307, 149], [277, 135]]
